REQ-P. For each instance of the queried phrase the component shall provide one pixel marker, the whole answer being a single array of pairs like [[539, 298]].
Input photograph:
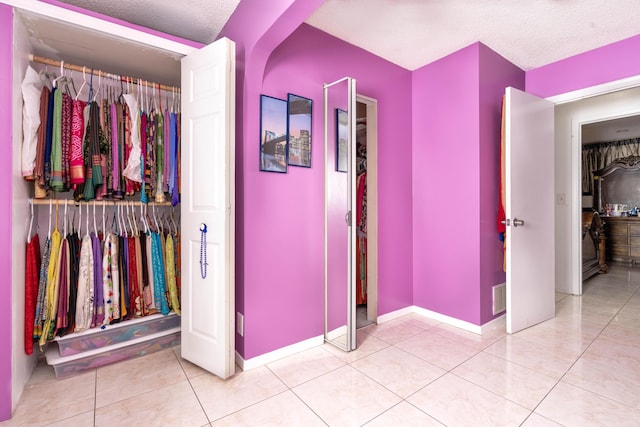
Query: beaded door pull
[[203, 250]]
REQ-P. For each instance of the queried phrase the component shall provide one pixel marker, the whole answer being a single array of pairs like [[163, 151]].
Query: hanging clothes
[[171, 275], [55, 181], [67, 125], [74, 259], [51, 296], [132, 170], [42, 137], [31, 94], [32, 268], [63, 289], [158, 274], [111, 279], [84, 305], [76, 154], [40, 314], [98, 286]]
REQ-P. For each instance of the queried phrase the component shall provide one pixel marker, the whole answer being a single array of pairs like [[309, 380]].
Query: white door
[[529, 200], [208, 164]]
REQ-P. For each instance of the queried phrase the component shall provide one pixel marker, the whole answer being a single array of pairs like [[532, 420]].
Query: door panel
[[208, 189], [529, 180], [339, 163]]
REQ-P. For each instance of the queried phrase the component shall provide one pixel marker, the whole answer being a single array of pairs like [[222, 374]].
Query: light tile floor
[[581, 368]]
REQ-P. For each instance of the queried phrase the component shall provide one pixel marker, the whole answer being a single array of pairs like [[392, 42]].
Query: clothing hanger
[[143, 208], [30, 221], [175, 226], [155, 219], [84, 82], [61, 76], [56, 215], [95, 96], [50, 206], [135, 220], [129, 218], [64, 228], [87, 221], [95, 227], [79, 220], [104, 229]]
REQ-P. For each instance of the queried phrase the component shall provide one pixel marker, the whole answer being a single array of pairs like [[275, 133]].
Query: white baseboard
[[337, 332], [280, 353], [263, 359], [495, 323]]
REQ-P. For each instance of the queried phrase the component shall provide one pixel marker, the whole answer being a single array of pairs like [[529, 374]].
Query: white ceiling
[[412, 33]]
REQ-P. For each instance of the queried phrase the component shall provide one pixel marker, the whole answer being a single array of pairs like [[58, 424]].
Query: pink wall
[[608, 63], [6, 168], [496, 73], [456, 131], [283, 221], [446, 241]]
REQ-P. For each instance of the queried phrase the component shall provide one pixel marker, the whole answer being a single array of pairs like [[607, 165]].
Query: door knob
[[517, 222], [506, 222]]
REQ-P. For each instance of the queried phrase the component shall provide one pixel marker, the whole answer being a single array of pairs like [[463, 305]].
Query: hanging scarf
[[132, 170], [32, 267], [63, 288], [56, 144], [67, 126], [42, 135], [46, 174], [84, 305], [74, 259], [158, 274], [40, 314], [94, 167], [167, 151], [76, 157], [150, 297], [111, 279], [98, 300], [51, 295], [171, 275], [135, 297], [124, 276], [159, 195]]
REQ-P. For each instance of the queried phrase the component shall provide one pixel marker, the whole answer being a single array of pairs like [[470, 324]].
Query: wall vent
[[499, 298]]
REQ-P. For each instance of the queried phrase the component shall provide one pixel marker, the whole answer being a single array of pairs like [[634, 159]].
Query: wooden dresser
[[623, 238]]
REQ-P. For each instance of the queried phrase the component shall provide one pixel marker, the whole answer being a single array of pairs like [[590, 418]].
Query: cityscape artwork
[[299, 131], [273, 134]]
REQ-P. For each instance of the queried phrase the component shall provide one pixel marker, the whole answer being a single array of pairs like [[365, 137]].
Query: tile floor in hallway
[[581, 368]]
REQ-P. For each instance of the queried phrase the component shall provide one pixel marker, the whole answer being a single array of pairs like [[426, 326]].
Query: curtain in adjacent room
[[601, 154]]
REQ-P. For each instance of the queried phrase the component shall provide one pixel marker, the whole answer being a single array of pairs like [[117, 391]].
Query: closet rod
[[124, 79], [99, 202]]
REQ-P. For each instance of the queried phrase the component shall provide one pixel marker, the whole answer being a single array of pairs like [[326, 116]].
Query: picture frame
[[299, 125], [342, 155], [273, 134]]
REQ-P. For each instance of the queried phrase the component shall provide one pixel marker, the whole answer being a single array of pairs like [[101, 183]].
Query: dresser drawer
[[634, 229], [617, 229], [619, 251]]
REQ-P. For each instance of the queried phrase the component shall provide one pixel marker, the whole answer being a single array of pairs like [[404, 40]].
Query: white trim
[[601, 89], [96, 24], [395, 314], [461, 324], [499, 322], [448, 320], [337, 332], [280, 353]]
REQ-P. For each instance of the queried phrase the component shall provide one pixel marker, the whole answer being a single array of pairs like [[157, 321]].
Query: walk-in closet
[[124, 197]]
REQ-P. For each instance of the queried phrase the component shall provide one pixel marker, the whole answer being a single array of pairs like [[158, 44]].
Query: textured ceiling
[[412, 33]]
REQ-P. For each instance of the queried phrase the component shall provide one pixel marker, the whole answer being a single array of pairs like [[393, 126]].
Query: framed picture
[[299, 130], [273, 134], [342, 156]]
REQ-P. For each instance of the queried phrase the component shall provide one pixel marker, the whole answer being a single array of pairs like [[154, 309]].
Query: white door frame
[[372, 206], [575, 201]]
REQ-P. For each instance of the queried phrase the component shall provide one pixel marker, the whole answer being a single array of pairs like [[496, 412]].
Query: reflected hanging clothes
[[51, 293]]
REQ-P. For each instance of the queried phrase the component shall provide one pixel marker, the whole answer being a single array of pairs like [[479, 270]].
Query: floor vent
[[499, 298]]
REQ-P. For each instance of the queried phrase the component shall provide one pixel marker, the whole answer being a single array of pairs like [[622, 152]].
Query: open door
[[529, 184], [208, 207]]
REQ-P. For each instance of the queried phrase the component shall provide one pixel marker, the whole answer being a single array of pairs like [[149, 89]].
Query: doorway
[[366, 212], [573, 110]]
